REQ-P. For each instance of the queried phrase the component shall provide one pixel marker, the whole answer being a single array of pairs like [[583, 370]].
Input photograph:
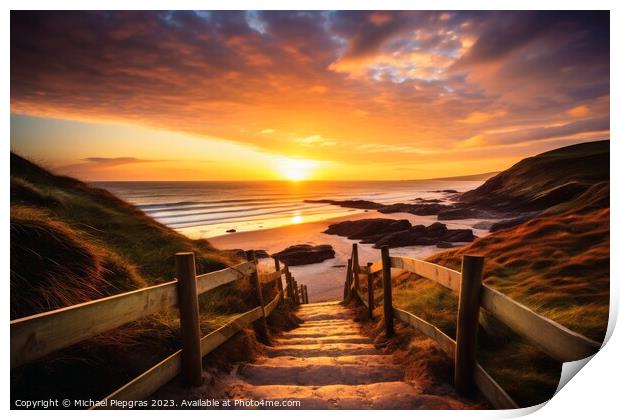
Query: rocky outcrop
[[397, 233], [240, 253], [417, 209], [305, 254], [367, 228]]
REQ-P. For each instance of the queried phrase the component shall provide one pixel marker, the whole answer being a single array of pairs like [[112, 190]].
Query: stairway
[[327, 363]]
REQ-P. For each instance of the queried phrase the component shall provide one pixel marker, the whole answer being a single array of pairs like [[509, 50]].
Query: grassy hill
[[557, 264], [545, 180], [72, 243]]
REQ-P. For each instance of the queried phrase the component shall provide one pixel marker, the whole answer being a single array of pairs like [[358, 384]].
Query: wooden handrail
[[37, 335], [210, 281], [554, 339], [442, 275]]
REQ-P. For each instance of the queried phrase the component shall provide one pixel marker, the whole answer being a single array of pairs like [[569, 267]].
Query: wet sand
[[325, 280]]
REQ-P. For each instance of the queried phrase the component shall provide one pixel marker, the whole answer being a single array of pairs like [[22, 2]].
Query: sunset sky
[[296, 95]]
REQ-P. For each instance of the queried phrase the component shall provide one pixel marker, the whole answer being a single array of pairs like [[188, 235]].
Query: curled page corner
[[570, 369]]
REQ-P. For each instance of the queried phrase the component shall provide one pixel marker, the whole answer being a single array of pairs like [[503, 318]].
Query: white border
[[593, 394]]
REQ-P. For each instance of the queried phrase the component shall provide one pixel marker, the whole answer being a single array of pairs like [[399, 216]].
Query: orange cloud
[[580, 111]]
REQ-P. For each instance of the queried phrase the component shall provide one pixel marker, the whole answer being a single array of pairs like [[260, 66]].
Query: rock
[[396, 233], [231, 230], [367, 228], [442, 244], [417, 209], [422, 235], [427, 200], [453, 213], [240, 253], [354, 204], [305, 254], [483, 225], [459, 235], [446, 191]]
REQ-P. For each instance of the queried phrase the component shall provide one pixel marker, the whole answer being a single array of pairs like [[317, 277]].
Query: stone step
[[317, 333], [328, 349], [378, 396], [356, 360], [319, 375], [326, 339]]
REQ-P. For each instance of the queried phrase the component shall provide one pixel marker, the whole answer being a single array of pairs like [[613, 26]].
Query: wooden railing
[[36, 336], [554, 339]]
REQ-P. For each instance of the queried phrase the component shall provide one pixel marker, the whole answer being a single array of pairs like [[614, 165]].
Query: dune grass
[[556, 265]]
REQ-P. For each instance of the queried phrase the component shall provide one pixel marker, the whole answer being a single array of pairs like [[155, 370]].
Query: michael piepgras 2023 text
[[159, 403]]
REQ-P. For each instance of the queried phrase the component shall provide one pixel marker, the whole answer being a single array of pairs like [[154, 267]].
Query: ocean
[[205, 209]]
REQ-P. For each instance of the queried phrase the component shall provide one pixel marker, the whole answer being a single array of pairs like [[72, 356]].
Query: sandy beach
[[325, 280]]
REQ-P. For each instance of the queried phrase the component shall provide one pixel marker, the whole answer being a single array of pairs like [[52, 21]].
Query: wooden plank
[[554, 339], [442, 275], [38, 335], [491, 390], [210, 281], [145, 384], [273, 304], [447, 344], [214, 339]]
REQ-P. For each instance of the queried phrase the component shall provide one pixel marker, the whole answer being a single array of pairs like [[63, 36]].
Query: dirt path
[[328, 363]]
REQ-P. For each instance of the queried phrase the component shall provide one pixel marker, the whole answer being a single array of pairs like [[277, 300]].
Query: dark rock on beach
[[367, 228], [417, 209], [442, 244], [353, 204], [427, 200], [395, 233], [305, 254], [240, 253]]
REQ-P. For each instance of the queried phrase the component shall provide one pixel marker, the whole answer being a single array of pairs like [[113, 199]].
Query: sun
[[296, 169]]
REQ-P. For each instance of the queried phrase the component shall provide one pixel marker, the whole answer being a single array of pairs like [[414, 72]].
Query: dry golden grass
[[556, 265]]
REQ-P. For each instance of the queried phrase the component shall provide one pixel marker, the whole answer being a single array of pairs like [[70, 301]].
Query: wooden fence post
[[279, 279], [262, 323], [295, 291], [371, 292], [467, 323], [289, 285], [388, 310], [355, 265], [191, 359], [306, 293]]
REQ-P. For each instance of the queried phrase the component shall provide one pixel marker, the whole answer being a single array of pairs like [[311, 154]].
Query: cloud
[[410, 81], [477, 117], [116, 161]]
